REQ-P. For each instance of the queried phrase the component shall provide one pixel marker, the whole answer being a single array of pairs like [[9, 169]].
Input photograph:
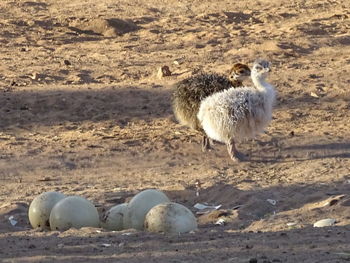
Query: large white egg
[[40, 209], [139, 206], [73, 211], [170, 218], [113, 218]]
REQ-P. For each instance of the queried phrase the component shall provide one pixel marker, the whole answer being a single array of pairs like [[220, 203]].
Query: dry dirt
[[84, 112]]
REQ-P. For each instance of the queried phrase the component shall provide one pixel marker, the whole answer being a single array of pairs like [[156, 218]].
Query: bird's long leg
[[235, 155], [211, 142], [205, 143]]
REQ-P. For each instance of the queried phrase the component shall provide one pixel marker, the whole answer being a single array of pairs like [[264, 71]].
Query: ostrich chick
[[235, 114], [190, 92]]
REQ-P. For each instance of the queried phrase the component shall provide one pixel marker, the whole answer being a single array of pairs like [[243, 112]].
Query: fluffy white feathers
[[237, 113]]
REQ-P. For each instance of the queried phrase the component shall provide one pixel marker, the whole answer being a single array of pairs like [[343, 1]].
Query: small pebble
[[164, 71], [67, 62], [34, 76], [325, 222], [313, 94]]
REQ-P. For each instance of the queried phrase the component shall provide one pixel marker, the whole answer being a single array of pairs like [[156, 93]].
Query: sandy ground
[[84, 112]]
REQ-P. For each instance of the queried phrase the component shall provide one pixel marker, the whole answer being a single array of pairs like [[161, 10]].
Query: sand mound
[[112, 27]]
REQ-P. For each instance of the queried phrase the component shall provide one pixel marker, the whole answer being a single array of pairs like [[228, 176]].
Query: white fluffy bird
[[238, 113]]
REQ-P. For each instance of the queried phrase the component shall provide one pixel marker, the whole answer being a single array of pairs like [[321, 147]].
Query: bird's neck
[[261, 84]]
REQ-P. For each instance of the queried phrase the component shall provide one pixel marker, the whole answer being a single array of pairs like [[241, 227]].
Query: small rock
[[163, 71], [106, 245], [179, 61], [67, 62], [253, 260], [313, 94], [34, 76], [325, 222], [272, 201], [24, 107], [314, 76], [13, 221]]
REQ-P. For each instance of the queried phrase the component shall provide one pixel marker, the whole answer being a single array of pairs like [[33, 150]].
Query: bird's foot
[[206, 144], [238, 157]]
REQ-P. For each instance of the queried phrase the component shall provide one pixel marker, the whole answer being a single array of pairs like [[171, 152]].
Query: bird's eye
[[241, 71]]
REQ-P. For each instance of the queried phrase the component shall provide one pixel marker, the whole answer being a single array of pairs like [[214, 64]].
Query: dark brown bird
[[190, 92]]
